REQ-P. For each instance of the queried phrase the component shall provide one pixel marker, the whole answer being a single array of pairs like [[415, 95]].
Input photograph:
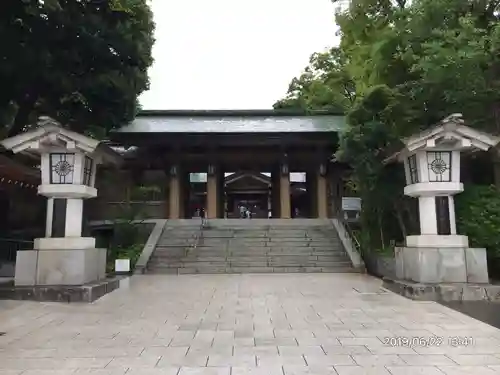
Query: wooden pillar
[[285, 209], [212, 192], [221, 194], [275, 193], [335, 180], [269, 201], [175, 187], [185, 194], [312, 192], [321, 192]]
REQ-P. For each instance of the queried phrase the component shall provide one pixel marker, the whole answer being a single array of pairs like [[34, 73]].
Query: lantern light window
[[439, 166], [62, 167], [413, 169], [87, 171]]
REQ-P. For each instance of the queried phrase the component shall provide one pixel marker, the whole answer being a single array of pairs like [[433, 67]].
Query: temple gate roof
[[234, 121]]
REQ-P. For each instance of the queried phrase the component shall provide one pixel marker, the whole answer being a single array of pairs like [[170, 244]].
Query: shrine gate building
[[263, 150]]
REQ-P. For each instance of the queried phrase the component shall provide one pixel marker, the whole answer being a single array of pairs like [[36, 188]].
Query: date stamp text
[[428, 341]]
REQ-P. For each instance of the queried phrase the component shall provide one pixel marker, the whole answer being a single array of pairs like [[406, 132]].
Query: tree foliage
[[483, 204], [324, 84], [83, 62], [409, 64]]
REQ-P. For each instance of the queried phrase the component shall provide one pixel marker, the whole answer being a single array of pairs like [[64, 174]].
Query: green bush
[[478, 216], [132, 252], [127, 241]]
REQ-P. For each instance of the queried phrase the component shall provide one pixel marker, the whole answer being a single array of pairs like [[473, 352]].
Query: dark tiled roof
[[259, 121]]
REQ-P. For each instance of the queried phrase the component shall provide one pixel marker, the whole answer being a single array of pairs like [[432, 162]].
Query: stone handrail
[[198, 234], [147, 250], [349, 244]]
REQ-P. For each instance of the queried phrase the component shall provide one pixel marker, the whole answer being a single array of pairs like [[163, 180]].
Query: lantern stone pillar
[[432, 167], [68, 168]]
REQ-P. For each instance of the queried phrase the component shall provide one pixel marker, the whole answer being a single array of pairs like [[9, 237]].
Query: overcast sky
[[233, 54]]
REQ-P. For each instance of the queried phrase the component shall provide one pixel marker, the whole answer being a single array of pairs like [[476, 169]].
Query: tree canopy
[[324, 85], [83, 62], [407, 65]]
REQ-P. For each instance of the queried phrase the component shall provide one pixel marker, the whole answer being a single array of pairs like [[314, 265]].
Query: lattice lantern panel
[[439, 166], [62, 168]]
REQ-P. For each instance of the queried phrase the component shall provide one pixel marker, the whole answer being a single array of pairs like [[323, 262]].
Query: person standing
[[243, 211]]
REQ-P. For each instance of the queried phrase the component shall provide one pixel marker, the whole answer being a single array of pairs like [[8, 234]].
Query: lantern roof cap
[[50, 133], [450, 133]]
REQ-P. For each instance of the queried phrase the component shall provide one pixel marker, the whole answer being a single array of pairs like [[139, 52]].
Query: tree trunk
[[381, 229], [26, 105]]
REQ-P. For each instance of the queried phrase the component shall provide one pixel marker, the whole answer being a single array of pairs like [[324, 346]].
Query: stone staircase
[[249, 246]]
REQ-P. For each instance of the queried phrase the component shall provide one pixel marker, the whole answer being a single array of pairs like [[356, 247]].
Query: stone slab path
[[291, 324]]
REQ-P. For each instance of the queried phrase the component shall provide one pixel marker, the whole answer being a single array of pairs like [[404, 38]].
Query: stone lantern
[[432, 168], [68, 169]]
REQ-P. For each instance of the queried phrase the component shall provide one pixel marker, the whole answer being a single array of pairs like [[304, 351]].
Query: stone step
[[217, 234], [249, 265], [212, 242], [264, 260], [248, 241], [249, 234], [222, 270], [249, 260], [250, 246], [287, 233], [170, 251], [259, 249], [257, 256], [255, 253], [179, 232]]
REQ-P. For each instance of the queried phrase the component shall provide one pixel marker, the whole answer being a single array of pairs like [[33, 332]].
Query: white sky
[[233, 54]]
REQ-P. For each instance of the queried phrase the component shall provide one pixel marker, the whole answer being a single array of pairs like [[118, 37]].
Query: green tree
[[440, 55], [410, 64], [324, 84], [83, 62]]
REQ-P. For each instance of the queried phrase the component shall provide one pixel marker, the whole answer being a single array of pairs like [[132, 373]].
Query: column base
[[60, 267], [436, 240], [63, 243], [441, 265], [451, 292], [62, 293]]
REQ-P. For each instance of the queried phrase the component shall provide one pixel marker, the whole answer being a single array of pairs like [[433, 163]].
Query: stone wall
[[380, 265]]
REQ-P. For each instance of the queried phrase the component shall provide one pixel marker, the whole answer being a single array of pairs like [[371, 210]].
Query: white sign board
[[122, 265], [351, 204]]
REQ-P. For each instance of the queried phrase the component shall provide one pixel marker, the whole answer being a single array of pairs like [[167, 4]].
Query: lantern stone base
[[61, 293], [60, 267], [62, 243], [437, 241], [441, 265], [445, 292]]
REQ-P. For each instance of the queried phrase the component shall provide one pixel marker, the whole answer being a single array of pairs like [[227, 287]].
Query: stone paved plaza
[[290, 324]]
